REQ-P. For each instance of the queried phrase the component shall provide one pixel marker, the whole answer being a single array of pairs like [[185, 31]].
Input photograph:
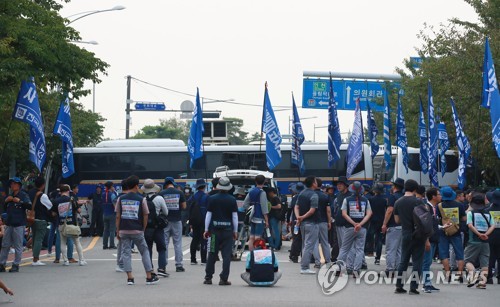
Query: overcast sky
[[230, 48]]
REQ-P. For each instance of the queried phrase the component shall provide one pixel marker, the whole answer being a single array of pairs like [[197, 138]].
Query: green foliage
[[172, 128], [453, 58], [235, 135], [35, 41]]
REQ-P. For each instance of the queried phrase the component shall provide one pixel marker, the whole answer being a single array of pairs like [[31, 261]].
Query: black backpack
[[155, 220], [423, 221]]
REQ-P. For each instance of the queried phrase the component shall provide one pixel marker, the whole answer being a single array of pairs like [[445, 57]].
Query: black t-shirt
[[392, 200], [173, 199], [404, 209], [378, 204], [275, 213], [323, 203], [222, 206]]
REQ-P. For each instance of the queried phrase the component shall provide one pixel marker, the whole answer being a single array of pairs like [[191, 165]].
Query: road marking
[[187, 251], [50, 257]]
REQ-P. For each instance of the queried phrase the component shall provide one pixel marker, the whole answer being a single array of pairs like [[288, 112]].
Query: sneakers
[[377, 261], [414, 292], [224, 282], [294, 259], [66, 263], [38, 263], [119, 269], [14, 268], [134, 251], [82, 263], [207, 281], [400, 291], [180, 269], [433, 288], [203, 263], [162, 273], [130, 281], [307, 272], [114, 247], [56, 261], [473, 281], [194, 262], [427, 289], [153, 280], [2, 268], [317, 266]]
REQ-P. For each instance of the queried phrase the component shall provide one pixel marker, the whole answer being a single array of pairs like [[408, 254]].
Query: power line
[[191, 95]]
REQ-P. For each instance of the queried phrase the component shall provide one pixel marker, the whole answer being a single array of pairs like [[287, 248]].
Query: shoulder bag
[[70, 230]]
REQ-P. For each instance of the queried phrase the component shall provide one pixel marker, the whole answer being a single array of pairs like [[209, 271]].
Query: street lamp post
[[88, 13]]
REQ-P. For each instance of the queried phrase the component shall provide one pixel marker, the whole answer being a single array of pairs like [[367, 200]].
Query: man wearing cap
[[392, 231], [356, 211], [342, 187], [16, 205], [155, 233], [481, 225], [258, 199], [109, 216], [197, 213], [455, 213], [221, 225], [494, 211], [176, 202]]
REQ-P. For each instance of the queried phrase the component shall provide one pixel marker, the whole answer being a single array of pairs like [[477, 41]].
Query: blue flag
[[355, 148], [27, 109], [401, 139], [424, 141], [195, 142], [444, 145], [491, 95], [63, 129], [433, 144], [334, 139], [273, 136], [464, 149], [387, 132], [372, 131], [297, 140]]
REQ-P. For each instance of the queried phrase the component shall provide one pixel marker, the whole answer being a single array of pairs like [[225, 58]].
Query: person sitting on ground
[[261, 267]]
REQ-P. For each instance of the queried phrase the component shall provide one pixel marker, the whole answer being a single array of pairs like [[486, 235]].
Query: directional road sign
[[149, 106], [316, 94]]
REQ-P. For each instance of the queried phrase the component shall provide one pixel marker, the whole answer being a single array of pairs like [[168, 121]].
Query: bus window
[[379, 171]]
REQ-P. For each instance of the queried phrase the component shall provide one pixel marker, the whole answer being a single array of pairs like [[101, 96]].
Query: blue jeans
[[109, 230], [54, 233], [275, 240], [426, 265]]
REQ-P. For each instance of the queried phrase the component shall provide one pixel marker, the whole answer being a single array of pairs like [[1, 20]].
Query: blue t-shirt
[[222, 206], [173, 199]]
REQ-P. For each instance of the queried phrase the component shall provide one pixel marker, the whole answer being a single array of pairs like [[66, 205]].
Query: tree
[[172, 128], [235, 135], [35, 41], [453, 57]]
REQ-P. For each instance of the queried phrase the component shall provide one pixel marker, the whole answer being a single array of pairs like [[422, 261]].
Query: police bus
[[159, 158]]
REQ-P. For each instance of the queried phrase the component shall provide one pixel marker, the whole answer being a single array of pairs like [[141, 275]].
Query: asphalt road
[[99, 285]]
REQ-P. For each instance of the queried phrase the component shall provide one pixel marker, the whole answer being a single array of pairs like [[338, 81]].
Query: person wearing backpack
[[410, 246], [481, 226], [154, 232], [433, 199], [494, 210], [261, 268], [450, 213], [197, 213], [258, 199]]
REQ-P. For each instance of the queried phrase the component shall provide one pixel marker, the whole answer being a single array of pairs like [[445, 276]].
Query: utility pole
[[127, 110]]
